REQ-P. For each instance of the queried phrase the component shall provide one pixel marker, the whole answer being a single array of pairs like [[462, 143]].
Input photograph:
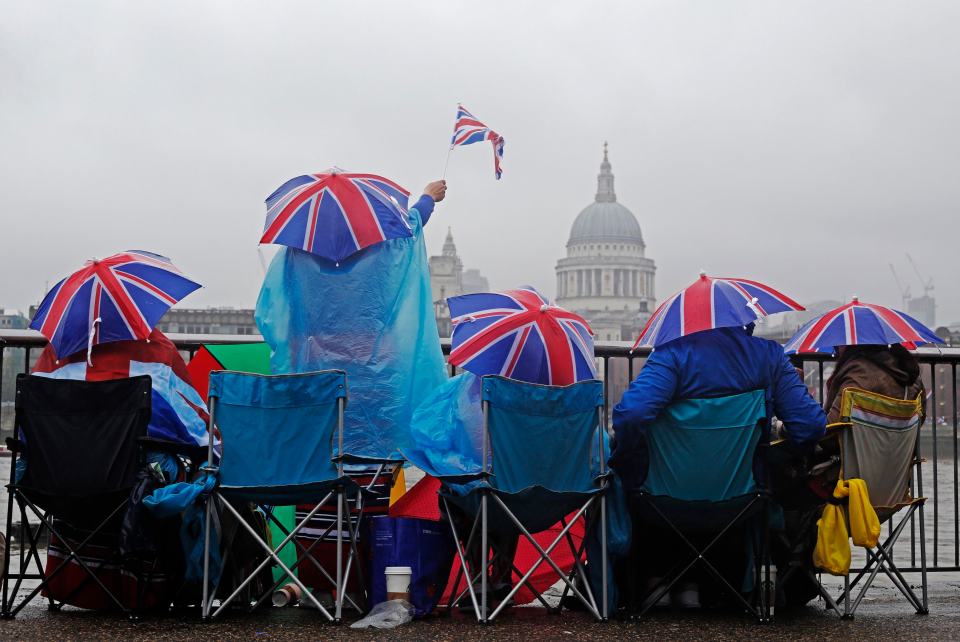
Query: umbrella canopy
[[120, 298], [242, 357], [519, 334], [712, 303], [858, 323], [334, 214]]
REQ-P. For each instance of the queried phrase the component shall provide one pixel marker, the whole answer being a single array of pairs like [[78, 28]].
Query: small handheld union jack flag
[[468, 130]]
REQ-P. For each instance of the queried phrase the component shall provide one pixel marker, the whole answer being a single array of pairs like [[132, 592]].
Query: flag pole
[[444, 175]]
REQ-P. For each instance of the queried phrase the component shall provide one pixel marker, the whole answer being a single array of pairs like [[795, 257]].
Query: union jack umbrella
[[518, 334], [119, 298], [858, 323], [334, 214], [712, 303]]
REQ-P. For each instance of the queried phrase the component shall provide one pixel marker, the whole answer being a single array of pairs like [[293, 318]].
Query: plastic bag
[[386, 615], [372, 316], [832, 553], [864, 523], [446, 429]]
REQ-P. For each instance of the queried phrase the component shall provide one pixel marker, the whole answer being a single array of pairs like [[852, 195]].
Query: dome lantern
[[605, 220]]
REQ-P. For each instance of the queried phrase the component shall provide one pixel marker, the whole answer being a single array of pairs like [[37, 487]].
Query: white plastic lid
[[398, 570]]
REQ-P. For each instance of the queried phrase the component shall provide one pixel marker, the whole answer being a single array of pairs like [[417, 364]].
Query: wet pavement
[[881, 616]]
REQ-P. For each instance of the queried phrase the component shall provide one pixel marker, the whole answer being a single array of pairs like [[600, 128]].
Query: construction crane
[[904, 290], [926, 283]]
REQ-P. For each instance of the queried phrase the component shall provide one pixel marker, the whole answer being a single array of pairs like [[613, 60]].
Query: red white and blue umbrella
[[858, 323], [711, 303], [334, 214], [120, 298], [519, 334]]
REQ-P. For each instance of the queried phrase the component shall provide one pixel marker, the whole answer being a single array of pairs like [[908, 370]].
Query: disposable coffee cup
[[287, 594], [398, 582]]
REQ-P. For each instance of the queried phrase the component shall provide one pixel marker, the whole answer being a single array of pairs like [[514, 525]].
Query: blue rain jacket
[[713, 363], [372, 316]]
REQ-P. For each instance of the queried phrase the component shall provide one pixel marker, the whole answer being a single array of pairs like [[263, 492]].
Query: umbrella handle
[[93, 332]]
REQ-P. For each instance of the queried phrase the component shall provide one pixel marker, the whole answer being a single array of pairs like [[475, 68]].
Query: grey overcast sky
[[806, 144]]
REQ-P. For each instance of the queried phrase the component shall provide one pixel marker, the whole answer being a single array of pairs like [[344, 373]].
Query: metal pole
[[483, 556], [207, 598], [956, 486], [603, 513], [936, 489], [340, 437], [339, 604], [483, 516]]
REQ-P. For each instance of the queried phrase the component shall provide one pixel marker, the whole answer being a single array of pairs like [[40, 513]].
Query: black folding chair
[[80, 441]]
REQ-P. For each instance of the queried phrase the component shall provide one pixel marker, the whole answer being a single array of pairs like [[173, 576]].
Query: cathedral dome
[[605, 220]]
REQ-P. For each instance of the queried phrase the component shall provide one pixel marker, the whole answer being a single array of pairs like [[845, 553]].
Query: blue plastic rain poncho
[[370, 315], [446, 430]]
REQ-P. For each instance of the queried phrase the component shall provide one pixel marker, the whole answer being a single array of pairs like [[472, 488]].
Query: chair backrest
[[880, 443], [277, 430], [703, 449], [542, 435], [81, 437]]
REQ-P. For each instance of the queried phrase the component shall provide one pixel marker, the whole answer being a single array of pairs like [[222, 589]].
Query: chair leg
[[484, 614], [5, 607], [461, 554], [880, 563], [604, 606], [846, 597], [923, 564], [544, 556], [207, 599], [272, 555], [338, 606]]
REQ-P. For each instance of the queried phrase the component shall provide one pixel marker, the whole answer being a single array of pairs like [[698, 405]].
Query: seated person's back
[[889, 371], [713, 363]]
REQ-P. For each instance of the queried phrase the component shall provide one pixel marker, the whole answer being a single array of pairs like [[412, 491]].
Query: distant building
[[606, 276], [448, 278], [208, 321], [782, 327], [473, 281], [13, 320], [923, 309]]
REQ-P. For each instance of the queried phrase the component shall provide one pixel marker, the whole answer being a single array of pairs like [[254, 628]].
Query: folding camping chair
[[277, 437], [80, 441], [701, 484], [539, 470], [879, 444]]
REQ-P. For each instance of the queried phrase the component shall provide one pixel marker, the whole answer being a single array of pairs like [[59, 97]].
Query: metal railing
[[617, 366]]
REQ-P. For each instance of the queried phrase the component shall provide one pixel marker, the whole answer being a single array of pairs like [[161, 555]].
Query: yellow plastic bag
[[864, 523], [832, 553]]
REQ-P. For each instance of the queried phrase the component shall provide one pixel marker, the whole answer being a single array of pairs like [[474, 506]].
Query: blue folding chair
[[277, 436], [542, 442], [701, 482]]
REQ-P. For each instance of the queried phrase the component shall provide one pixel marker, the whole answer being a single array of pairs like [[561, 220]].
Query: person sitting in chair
[[711, 363], [889, 371]]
